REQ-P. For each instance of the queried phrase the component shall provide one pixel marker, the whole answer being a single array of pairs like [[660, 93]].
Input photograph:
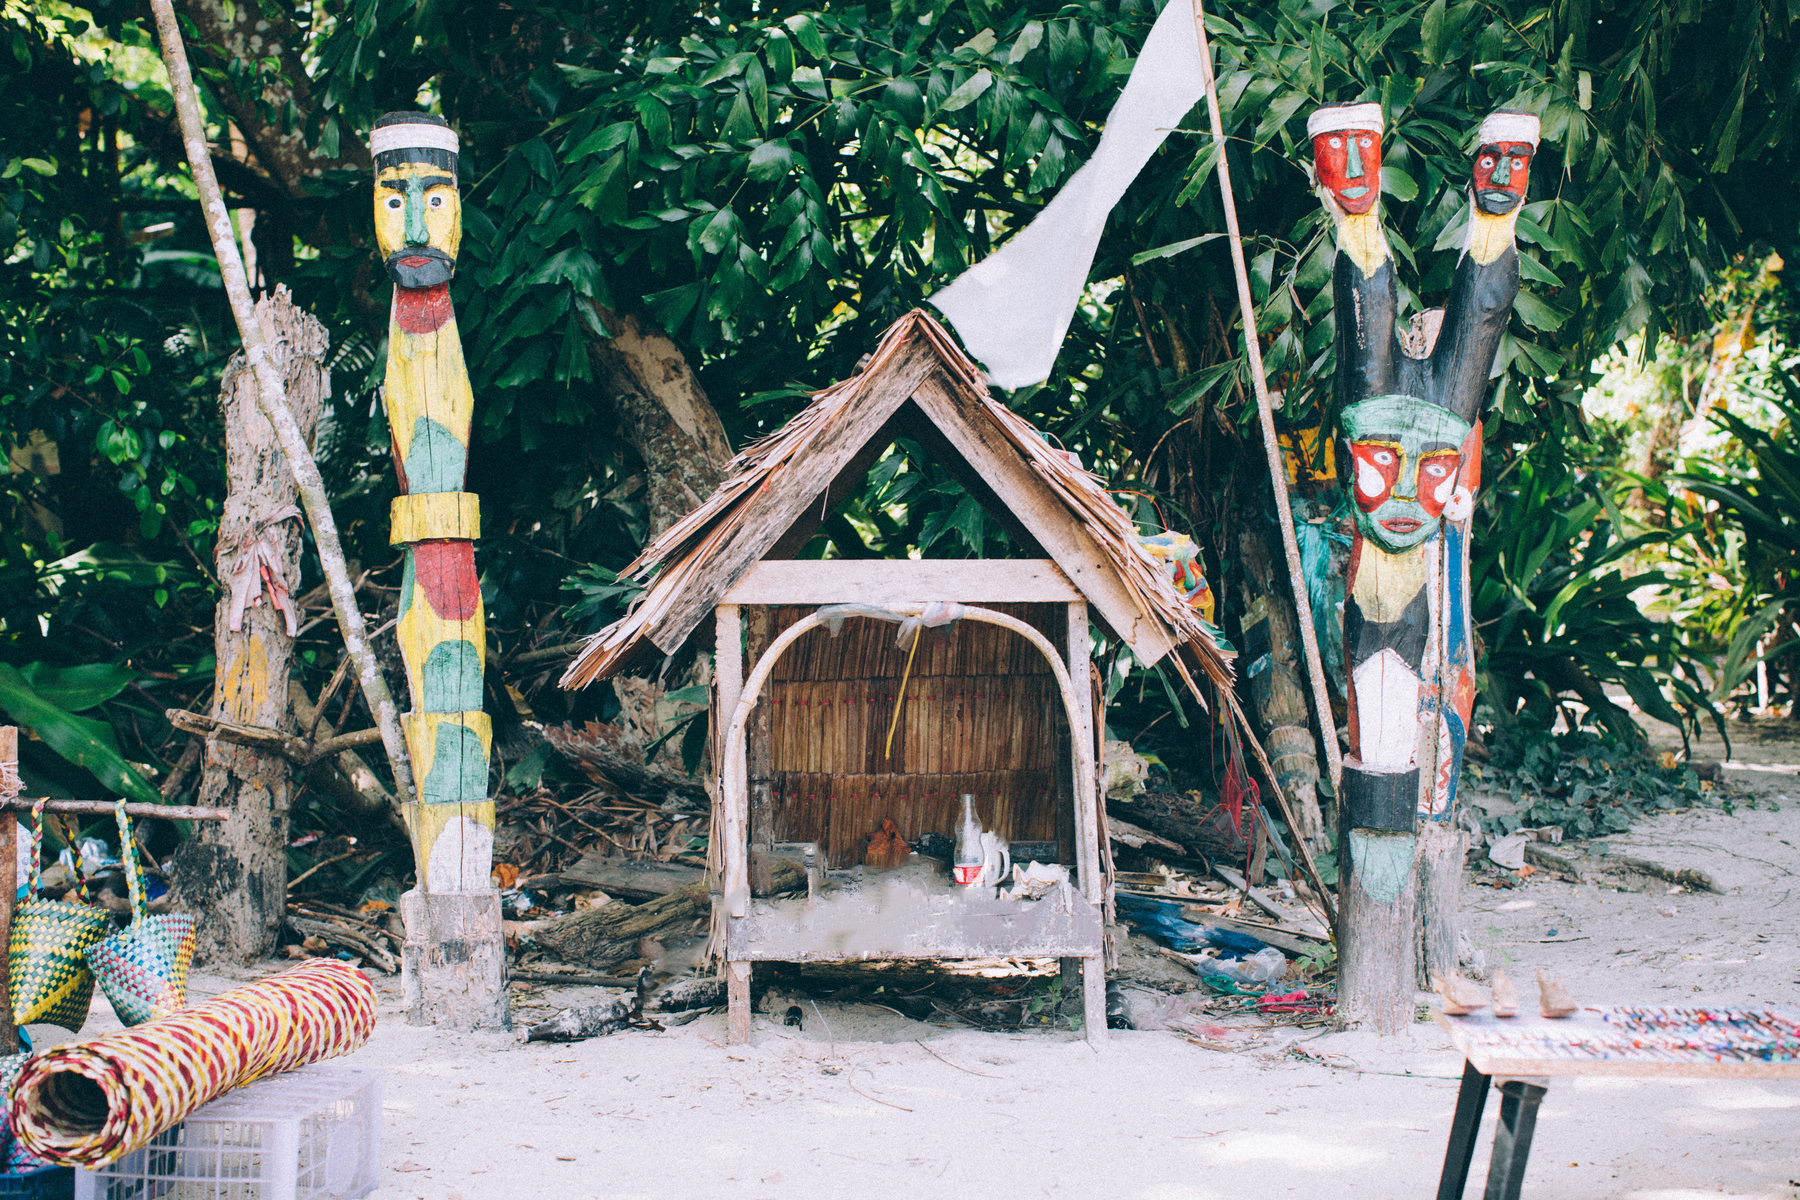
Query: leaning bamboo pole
[[273, 402], [1315, 663]]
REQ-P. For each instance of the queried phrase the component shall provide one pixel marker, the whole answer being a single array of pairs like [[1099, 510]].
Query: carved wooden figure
[[418, 227], [1408, 403]]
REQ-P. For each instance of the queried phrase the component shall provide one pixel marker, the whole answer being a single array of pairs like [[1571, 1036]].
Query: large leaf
[[85, 742], [77, 689]]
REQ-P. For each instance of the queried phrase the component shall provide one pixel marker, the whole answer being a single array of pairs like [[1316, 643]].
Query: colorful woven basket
[[86, 1104], [49, 981], [15, 1156], [144, 969]]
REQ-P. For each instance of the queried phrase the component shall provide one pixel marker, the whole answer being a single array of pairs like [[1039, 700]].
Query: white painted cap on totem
[[413, 135], [1342, 118], [1506, 126]]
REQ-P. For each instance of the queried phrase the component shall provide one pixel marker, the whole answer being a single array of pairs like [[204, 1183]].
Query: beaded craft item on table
[[137, 1082], [1644, 1035]]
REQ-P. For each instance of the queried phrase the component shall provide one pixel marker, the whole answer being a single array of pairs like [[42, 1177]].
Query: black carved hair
[[430, 155]]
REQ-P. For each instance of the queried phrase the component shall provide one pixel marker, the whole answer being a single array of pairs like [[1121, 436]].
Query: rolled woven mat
[[85, 1104]]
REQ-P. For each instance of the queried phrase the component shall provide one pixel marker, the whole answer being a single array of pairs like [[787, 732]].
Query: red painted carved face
[[1502, 169], [1377, 470], [1349, 167], [1437, 480]]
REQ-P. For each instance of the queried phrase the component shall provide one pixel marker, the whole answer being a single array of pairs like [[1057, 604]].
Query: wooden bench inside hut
[[850, 693]]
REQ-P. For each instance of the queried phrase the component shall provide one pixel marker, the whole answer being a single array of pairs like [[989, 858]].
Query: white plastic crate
[[311, 1134]]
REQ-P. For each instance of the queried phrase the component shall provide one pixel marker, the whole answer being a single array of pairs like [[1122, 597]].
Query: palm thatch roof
[[918, 384]]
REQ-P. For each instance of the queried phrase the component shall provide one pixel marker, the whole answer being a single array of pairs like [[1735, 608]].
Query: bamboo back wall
[[982, 715]]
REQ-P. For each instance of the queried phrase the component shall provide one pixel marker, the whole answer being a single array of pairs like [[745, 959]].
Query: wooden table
[[1523, 1076]]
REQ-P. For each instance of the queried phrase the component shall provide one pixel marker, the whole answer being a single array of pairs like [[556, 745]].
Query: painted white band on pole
[[1344, 118], [413, 135], [1013, 308], [1509, 127]]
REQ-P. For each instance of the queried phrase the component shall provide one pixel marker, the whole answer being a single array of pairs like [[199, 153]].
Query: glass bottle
[[966, 863]]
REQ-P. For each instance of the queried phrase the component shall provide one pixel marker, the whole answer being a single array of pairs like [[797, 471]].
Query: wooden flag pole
[[272, 400], [1309, 638]]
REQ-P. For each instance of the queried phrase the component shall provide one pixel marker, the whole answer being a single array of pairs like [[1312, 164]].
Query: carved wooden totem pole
[[454, 958], [1408, 406]]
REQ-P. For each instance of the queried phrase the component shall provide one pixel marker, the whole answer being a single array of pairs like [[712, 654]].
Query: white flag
[[1013, 308]]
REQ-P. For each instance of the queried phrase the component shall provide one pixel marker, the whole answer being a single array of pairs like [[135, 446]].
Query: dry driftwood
[[343, 935], [595, 1020], [295, 749], [608, 936], [1575, 868], [346, 775], [616, 754], [1137, 838], [573, 978], [1172, 815], [632, 880]]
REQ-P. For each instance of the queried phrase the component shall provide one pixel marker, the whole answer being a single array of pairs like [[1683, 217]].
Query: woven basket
[[49, 981], [143, 969], [15, 1156]]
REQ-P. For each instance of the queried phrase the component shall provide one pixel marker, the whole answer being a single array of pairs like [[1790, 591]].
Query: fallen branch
[[297, 750], [100, 808], [316, 868], [575, 978], [269, 741], [330, 931], [1575, 869], [178, 775], [345, 774], [547, 654], [272, 399]]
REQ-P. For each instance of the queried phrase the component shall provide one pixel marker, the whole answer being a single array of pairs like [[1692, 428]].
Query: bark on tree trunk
[[1277, 688], [234, 873], [663, 412]]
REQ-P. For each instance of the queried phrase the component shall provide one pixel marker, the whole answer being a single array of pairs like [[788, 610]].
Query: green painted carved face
[[1407, 458]]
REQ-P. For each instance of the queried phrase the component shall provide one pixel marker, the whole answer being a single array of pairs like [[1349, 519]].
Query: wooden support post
[[737, 999], [457, 959], [731, 817], [234, 874], [1090, 819], [759, 755], [9, 877]]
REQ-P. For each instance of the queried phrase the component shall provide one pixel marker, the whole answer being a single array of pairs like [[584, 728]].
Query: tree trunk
[[1272, 668], [234, 873], [663, 412], [252, 34]]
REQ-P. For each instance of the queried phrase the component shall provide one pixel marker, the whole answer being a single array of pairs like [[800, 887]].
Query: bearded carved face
[[418, 222], [1407, 456], [1501, 171], [1348, 163]]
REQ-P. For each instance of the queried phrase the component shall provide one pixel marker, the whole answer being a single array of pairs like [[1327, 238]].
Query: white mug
[[996, 860]]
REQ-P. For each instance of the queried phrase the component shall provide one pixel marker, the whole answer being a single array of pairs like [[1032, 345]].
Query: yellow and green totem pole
[[418, 228]]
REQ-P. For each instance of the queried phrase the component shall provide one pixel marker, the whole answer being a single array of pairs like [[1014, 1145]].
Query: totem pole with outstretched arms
[[1409, 403], [454, 957]]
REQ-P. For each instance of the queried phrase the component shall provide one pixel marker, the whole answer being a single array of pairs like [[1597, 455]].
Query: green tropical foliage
[[774, 184]]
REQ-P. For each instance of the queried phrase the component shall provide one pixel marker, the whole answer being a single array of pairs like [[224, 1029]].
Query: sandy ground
[[864, 1103]]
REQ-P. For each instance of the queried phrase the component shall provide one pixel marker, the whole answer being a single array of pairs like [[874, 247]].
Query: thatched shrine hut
[[999, 703]]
